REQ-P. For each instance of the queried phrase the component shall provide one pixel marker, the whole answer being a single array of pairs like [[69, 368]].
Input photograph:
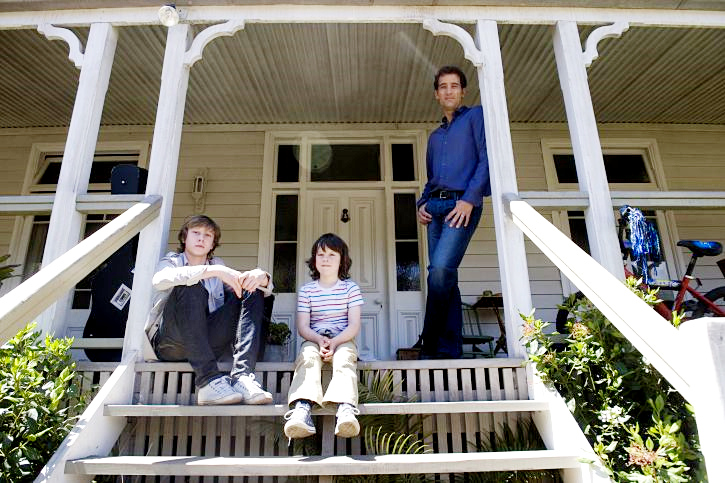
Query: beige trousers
[[307, 381]]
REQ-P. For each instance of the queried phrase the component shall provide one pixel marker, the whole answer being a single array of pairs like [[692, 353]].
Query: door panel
[[365, 235]]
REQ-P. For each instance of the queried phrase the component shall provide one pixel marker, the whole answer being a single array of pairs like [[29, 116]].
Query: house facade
[[285, 122]]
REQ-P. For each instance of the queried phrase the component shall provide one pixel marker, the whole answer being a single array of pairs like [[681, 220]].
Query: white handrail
[[30, 298], [655, 338]]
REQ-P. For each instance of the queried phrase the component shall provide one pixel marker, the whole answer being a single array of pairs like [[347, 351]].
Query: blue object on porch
[[645, 243]]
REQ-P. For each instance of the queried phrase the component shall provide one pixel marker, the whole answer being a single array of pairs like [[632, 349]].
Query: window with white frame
[[44, 180], [312, 160], [630, 165]]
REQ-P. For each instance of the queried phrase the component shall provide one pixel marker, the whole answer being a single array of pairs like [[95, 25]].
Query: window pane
[[285, 221], [406, 226], [407, 266], [403, 162], [620, 168], [36, 246], [51, 174], [101, 171], [578, 230], [345, 162], [626, 168], [288, 166], [285, 272]]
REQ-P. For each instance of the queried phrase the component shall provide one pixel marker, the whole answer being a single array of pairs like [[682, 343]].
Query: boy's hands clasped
[[327, 347], [238, 281]]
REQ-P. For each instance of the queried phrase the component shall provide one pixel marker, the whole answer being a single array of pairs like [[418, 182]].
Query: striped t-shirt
[[328, 306]]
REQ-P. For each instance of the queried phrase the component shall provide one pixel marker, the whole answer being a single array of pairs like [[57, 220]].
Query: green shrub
[[641, 428], [38, 401]]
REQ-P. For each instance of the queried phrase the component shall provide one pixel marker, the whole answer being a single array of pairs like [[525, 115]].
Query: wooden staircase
[[461, 403]]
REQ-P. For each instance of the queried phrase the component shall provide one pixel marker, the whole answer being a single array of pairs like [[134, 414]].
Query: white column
[[587, 149], [163, 164], [64, 231], [704, 341], [509, 238]]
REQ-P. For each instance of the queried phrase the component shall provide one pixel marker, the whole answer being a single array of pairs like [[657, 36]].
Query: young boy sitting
[[328, 318]]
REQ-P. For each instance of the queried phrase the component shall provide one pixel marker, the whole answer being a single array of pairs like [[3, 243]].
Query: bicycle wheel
[[716, 296]]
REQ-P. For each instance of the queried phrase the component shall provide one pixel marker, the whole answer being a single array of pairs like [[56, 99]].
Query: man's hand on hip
[[460, 215], [423, 216]]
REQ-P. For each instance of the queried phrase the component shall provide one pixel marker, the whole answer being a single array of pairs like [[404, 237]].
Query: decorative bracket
[[75, 48], [207, 35], [470, 51], [615, 30]]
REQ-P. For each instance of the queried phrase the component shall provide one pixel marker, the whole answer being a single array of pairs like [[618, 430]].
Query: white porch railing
[[692, 373], [30, 298]]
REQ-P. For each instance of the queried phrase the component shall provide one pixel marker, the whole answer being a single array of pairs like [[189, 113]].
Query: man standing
[[451, 206], [203, 311]]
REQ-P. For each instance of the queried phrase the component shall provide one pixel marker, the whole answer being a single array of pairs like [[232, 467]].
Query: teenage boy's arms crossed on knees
[[206, 311]]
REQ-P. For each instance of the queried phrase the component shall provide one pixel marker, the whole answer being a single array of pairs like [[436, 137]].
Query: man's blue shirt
[[456, 159]]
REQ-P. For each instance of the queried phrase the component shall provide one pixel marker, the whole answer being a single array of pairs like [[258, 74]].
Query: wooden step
[[457, 407], [324, 465]]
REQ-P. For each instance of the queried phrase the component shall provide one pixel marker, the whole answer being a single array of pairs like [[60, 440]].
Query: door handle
[[345, 216]]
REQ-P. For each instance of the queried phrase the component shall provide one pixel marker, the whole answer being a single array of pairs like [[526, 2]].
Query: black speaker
[[127, 179]]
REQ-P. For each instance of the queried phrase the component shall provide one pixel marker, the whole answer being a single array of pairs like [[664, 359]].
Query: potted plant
[[277, 338]]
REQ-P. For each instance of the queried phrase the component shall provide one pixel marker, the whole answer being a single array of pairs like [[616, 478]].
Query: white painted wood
[[326, 465], [614, 30], [453, 407], [26, 205], [587, 148], [372, 365], [98, 343], [372, 13], [75, 49], [94, 433], [653, 336], [102, 204], [366, 238], [163, 164], [663, 200], [560, 431], [31, 297], [64, 231], [509, 240], [207, 35], [470, 50], [707, 335]]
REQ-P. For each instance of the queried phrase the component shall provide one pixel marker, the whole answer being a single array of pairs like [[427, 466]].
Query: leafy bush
[[279, 333], [641, 428], [38, 401]]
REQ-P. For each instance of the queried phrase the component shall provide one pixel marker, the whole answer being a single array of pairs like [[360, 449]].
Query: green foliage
[[523, 437], [38, 398], [6, 271], [279, 333], [379, 387], [613, 392]]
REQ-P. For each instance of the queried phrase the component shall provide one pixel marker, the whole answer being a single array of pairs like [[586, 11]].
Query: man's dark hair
[[336, 244], [193, 222], [450, 69]]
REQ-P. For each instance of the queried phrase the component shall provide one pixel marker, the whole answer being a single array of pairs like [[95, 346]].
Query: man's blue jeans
[[190, 333], [443, 325]]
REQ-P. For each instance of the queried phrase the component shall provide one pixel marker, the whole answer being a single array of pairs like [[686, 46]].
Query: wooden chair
[[473, 334]]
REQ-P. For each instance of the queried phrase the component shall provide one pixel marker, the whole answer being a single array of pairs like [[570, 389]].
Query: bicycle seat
[[702, 248]]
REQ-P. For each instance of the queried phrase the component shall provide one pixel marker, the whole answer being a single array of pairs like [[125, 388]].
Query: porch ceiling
[[324, 73]]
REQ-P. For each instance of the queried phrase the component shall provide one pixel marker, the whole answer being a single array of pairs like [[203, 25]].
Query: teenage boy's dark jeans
[[190, 333]]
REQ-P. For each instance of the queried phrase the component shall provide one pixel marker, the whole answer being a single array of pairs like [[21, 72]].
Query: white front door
[[364, 233]]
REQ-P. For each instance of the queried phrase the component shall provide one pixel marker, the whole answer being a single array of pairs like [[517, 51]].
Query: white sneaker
[[347, 425], [251, 391], [218, 391], [299, 423]]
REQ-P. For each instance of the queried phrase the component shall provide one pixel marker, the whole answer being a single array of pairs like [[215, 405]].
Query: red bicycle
[[645, 257]]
